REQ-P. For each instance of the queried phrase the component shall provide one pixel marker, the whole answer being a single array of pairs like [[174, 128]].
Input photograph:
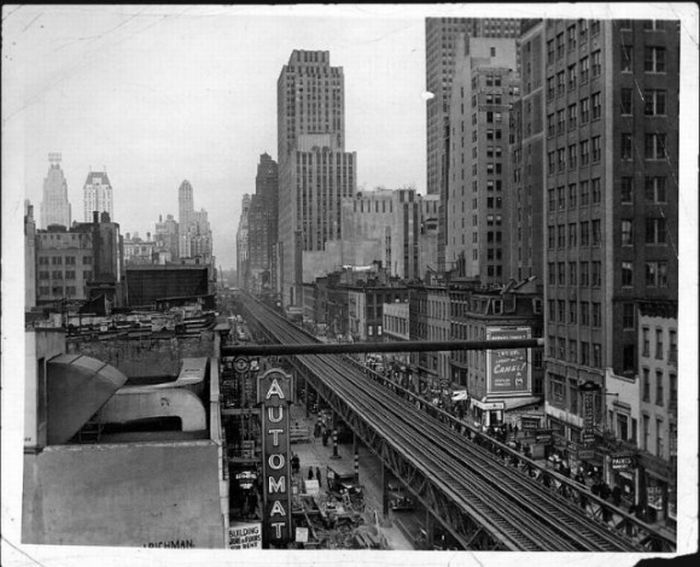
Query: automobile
[[399, 499]]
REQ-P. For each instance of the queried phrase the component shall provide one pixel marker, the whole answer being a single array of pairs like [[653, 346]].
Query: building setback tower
[[242, 263], [97, 195], [441, 36], [611, 240], [478, 191], [315, 171], [55, 208], [262, 223]]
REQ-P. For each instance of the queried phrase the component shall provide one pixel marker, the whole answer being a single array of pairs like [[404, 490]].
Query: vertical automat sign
[[275, 391]]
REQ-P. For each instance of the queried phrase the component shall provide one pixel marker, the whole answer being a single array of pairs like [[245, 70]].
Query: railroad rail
[[483, 503]]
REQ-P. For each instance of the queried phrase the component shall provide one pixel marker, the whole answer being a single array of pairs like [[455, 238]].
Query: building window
[[572, 312], [583, 273], [595, 144], [550, 52], [656, 274], [561, 122], [628, 315], [551, 201], [560, 45], [572, 272], [572, 116], [585, 152], [561, 236], [672, 347], [597, 356], [659, 437], [627, 271], [551, 162], [550, 236], [584, 110], [585, 353], [655, 189], [655, 231], [595, 274], [595, 63], [626, 58], [654, 102], [561, 310], [659, 388], [561, 273], [596, 314], [572, 195], [571, 77], [595, 232], [585, 319], [654, 59], [583, 69], [550, 88], [659, 344], [595, 190], [626, 188], [645, 341], [626, 232], [584, 192], [551, 311], [626, 146], [655, 146], [572, 156], [571, 37], [585, 233], [626, 101], [596, 105]]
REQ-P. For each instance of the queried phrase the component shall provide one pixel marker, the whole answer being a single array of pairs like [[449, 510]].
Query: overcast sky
[[158, 94]]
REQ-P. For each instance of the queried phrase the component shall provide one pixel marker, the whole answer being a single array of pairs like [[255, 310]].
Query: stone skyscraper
[[55, 208], [315, 170], [194, 230], [97, 195]]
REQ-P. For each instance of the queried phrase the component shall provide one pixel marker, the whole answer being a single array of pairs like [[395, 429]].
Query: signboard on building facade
[[622, 462], [588, 390], [508, 371], [245, 536], [275, 394]]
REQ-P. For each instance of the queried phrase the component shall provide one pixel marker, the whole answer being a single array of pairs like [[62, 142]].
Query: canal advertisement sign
[[508, 371], [275, 395]]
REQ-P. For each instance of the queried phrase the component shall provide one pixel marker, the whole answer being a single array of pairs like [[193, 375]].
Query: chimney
[[95, 216], [104, 217]]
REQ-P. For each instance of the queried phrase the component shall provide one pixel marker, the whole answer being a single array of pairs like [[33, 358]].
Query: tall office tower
[[441, 36], [55, 208], [526, 172], [97, 195], [315, 171], [242, 244], [612, 199], [185, 199], [478, 192]]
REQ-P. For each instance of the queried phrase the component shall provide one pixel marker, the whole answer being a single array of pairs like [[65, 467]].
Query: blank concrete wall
[[124, 495]]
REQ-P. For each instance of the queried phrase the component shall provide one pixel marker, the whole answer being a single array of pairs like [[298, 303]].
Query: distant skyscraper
[[242, 243], [55, 208], [441, 35], [262, 223], [186, 204], [167, 238], [315, 171], [97, 195], [194, 229]]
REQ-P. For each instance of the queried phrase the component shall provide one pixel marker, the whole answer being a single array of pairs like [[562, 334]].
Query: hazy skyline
[[159, 94]]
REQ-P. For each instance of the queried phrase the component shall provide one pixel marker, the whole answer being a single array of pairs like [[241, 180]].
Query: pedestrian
[[325, 437], [617, 495], [295, 464], [311, 473], [318, 475]]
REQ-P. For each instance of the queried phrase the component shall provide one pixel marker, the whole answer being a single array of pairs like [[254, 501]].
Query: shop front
[[488, 414]]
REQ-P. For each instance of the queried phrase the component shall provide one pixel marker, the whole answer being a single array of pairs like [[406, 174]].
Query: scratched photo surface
[[413, 284]]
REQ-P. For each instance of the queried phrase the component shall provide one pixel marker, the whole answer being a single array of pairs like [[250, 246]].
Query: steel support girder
[[452, 516]]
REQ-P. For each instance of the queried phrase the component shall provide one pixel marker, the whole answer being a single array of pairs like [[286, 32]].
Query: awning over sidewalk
[[516, 403]]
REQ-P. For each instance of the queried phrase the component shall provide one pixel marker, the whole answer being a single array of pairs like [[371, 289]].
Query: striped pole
[[357, 467], [335, 454]]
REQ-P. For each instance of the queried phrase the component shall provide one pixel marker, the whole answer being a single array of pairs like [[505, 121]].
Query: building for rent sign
[[508, 371]]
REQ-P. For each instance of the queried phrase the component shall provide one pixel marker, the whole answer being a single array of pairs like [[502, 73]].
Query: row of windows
[[659, 390], [578, 352], [659, 350], [569, 38], [575, 114], [584, 313], [59, 275], [57, 291], [589, 233], [59, 260], [589, 151], [654, 101], [558, 84], [584, 192]]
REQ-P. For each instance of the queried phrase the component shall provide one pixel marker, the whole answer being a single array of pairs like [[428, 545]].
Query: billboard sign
[[243, 535], [508, 371], [275, 394]]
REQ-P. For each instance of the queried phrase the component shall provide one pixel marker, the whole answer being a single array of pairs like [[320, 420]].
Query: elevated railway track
[[482, 502]]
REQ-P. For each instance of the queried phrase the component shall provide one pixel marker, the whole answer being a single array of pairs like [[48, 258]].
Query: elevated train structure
[[451, 468]]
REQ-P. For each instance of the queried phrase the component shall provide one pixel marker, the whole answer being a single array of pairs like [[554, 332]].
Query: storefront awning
[[515, 403]]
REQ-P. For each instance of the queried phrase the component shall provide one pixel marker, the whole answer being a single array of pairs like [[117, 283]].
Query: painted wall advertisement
[[275, 394], [508, 371]]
